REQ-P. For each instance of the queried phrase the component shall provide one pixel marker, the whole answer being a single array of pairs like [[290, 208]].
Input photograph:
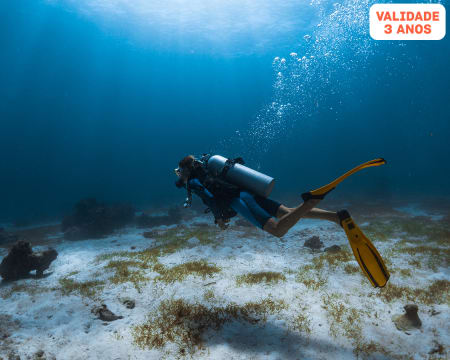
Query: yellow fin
[[366, 254], [324, 189]]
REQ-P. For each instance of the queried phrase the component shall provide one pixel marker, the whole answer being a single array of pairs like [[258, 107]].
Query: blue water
[[103, 97]]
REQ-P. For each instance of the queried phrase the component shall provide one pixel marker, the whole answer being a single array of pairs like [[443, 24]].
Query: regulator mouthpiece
[[187, 203]]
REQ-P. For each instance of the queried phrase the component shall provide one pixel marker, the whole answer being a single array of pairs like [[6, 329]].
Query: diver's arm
[[208, 199]]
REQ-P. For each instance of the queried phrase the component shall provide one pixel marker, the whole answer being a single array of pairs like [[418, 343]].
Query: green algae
[[184, 324], [436, 293], [133, 266], [88, 289], [347, 321], [180, 272], [267, 277]]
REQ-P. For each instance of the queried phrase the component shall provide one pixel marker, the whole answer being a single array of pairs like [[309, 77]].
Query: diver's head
[[184, 170], [187, 162]]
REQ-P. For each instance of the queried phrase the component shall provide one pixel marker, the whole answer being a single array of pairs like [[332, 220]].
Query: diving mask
[[182, 172]]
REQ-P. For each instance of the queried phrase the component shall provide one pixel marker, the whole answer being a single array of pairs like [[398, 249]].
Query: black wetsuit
[[225, 199]]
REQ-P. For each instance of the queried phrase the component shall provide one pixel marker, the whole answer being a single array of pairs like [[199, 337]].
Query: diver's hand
[[222, 223]]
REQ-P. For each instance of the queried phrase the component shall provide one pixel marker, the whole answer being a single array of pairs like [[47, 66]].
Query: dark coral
[[314, 243], [92, 219], [333, 249], [21, 260], [409, 320], [103, 313]]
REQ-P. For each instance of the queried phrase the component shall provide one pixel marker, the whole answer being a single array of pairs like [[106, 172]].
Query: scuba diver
[[225, 200], [228, 188]]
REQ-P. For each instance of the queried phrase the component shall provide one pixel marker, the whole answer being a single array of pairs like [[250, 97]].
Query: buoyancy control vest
[[226, 178]]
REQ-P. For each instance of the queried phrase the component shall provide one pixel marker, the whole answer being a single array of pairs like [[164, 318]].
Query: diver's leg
[[278, 210], [246, 206], [281, 227], [315, 213], [259, 211], [321, 214], [283, 210]]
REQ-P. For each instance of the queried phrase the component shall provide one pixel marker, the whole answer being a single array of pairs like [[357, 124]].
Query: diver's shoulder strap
[[229, 164]]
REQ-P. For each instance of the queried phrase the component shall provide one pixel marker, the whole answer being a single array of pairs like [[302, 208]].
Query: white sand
[[64, 327]]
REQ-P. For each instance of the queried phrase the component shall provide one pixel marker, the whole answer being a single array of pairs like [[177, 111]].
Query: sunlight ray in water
[[216, 26]]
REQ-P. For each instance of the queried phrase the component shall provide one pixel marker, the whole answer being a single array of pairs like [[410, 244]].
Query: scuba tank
[[236, 173]]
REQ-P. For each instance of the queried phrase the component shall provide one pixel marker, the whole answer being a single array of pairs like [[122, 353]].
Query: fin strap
[[308, 195], [343, 214]]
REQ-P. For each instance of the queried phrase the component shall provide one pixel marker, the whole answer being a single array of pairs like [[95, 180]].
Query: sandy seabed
[[237, 294]]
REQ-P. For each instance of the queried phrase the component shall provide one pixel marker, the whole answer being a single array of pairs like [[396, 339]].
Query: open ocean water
[[102, 98]]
